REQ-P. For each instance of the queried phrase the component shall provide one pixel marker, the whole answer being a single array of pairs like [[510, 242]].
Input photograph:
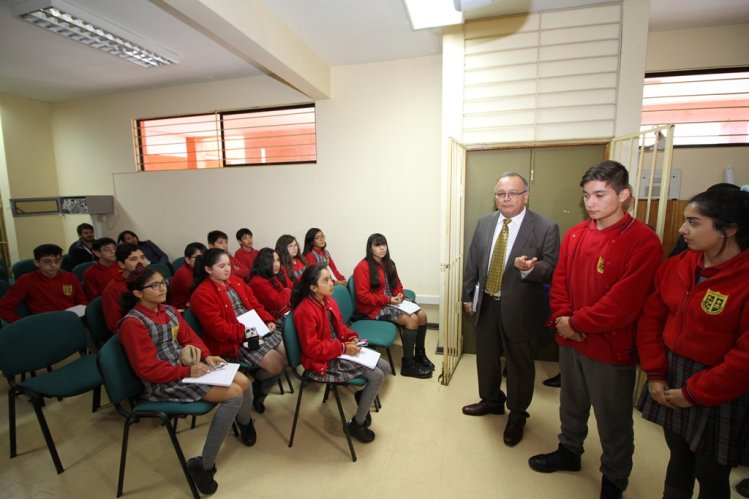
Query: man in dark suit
[[512, 255]]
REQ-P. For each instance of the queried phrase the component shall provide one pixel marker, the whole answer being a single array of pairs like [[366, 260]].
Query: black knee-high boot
[[409, 366]]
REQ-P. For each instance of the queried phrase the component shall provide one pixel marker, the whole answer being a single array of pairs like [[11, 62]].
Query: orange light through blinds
[[706, 108], [237, 138]]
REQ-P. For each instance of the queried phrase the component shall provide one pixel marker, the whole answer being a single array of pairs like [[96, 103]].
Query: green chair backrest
[[97, 325], [79, 269], [291, 341], [162, 269], [4, 270], [343, 299], [411, 295], [40, 340], [22, 267], [119, 378], [67, 263], [193, 322], [178, 263]]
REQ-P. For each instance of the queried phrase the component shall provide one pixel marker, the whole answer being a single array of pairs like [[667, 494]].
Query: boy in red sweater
[[600, 283], [128, 257], [219, 239], [98, 275], [246, 254], [46, 289], [179, 289]]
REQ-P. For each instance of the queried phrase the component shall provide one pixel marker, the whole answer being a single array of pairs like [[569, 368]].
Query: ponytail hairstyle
[[391, 274], [135, 282], [728, 208], [282, 248], [263, 267], [302, 290], [207, 259], [309, 239]]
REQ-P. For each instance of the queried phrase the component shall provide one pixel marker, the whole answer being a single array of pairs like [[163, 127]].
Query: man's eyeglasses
[[508, 195], [156, 285]]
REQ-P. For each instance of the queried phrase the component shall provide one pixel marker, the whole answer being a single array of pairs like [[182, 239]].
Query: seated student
[[378, 291], [218, 239], [44, 290], [315, 252], [128, 257], [98, 275], [323, 337], [153, 253], [162, 350], [269, 285], [179, 289], [218, 298], [246, 254], [292, 264], [81, 251]]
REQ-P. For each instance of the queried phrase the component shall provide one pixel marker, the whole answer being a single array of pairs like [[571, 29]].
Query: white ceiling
[[44, 66]]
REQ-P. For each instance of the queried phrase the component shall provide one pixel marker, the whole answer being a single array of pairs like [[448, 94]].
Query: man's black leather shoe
[[482, 408], [561, 459], [609, 490], [554, 381], [513, 431]]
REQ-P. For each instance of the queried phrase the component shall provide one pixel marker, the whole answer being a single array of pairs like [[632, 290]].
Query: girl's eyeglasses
[[156, 285]]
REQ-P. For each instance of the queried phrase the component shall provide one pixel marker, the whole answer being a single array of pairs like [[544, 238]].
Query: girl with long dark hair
[[379, 292], [323, 337], [269, 285], [316, 252], [289, 253]]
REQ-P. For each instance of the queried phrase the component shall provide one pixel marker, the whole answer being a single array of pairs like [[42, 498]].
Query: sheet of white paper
[[475, 303], [79, 310], [408, 306], [251, 319], [366, 357], [223, 376]]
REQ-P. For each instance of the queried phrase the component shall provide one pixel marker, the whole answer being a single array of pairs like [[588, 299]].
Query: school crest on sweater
[[713, 302]]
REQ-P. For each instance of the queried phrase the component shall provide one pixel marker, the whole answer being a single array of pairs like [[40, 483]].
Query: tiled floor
[[425, 448]]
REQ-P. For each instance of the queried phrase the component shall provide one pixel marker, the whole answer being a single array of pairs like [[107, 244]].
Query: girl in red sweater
[[162, 350], [323, 337], [315, 251], [292, 264], [693, 341], [270, 286], [217, 300], [379, 292]]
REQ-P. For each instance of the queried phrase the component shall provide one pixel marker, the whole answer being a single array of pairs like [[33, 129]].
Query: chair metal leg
[[192, 425], [280, 384], [96, 399], [165, 422], [35, 402], [327, 392], [377, 403], [343, 421], [123, 454], [12, 421], [288, 380], [390, 360], [296, 412]]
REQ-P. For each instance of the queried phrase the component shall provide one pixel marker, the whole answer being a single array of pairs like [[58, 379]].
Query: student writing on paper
[[323, 337], [218, 298], [158, 343], [378, 292]]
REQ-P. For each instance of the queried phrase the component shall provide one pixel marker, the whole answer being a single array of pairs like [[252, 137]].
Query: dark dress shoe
[[203, 479], [411, 369], [258, 397], [513, 431], [554, 381], [609, 490], [743, 487], [561, 459], [359, 432], [247, 433], [482, 408]]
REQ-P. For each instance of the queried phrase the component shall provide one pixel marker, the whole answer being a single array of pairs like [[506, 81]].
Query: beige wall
[[703, 167], [377, 170], [28, 170], [713, 47]]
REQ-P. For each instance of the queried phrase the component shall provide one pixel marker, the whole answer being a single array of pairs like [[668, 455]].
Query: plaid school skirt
[[269, 342], [340, 370], [720, 432], [389, 313], [175, 391]]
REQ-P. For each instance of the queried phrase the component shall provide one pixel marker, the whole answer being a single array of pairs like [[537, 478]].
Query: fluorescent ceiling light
[[76, 24], [425, 14]]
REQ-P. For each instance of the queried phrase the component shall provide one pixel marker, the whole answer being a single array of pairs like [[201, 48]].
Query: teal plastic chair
[[22, 267], [124, 387], [79, 269], [294, 356], [379, 334], [97, 325], [4, 270], [178, 263], [34, 343], [67, 263]]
